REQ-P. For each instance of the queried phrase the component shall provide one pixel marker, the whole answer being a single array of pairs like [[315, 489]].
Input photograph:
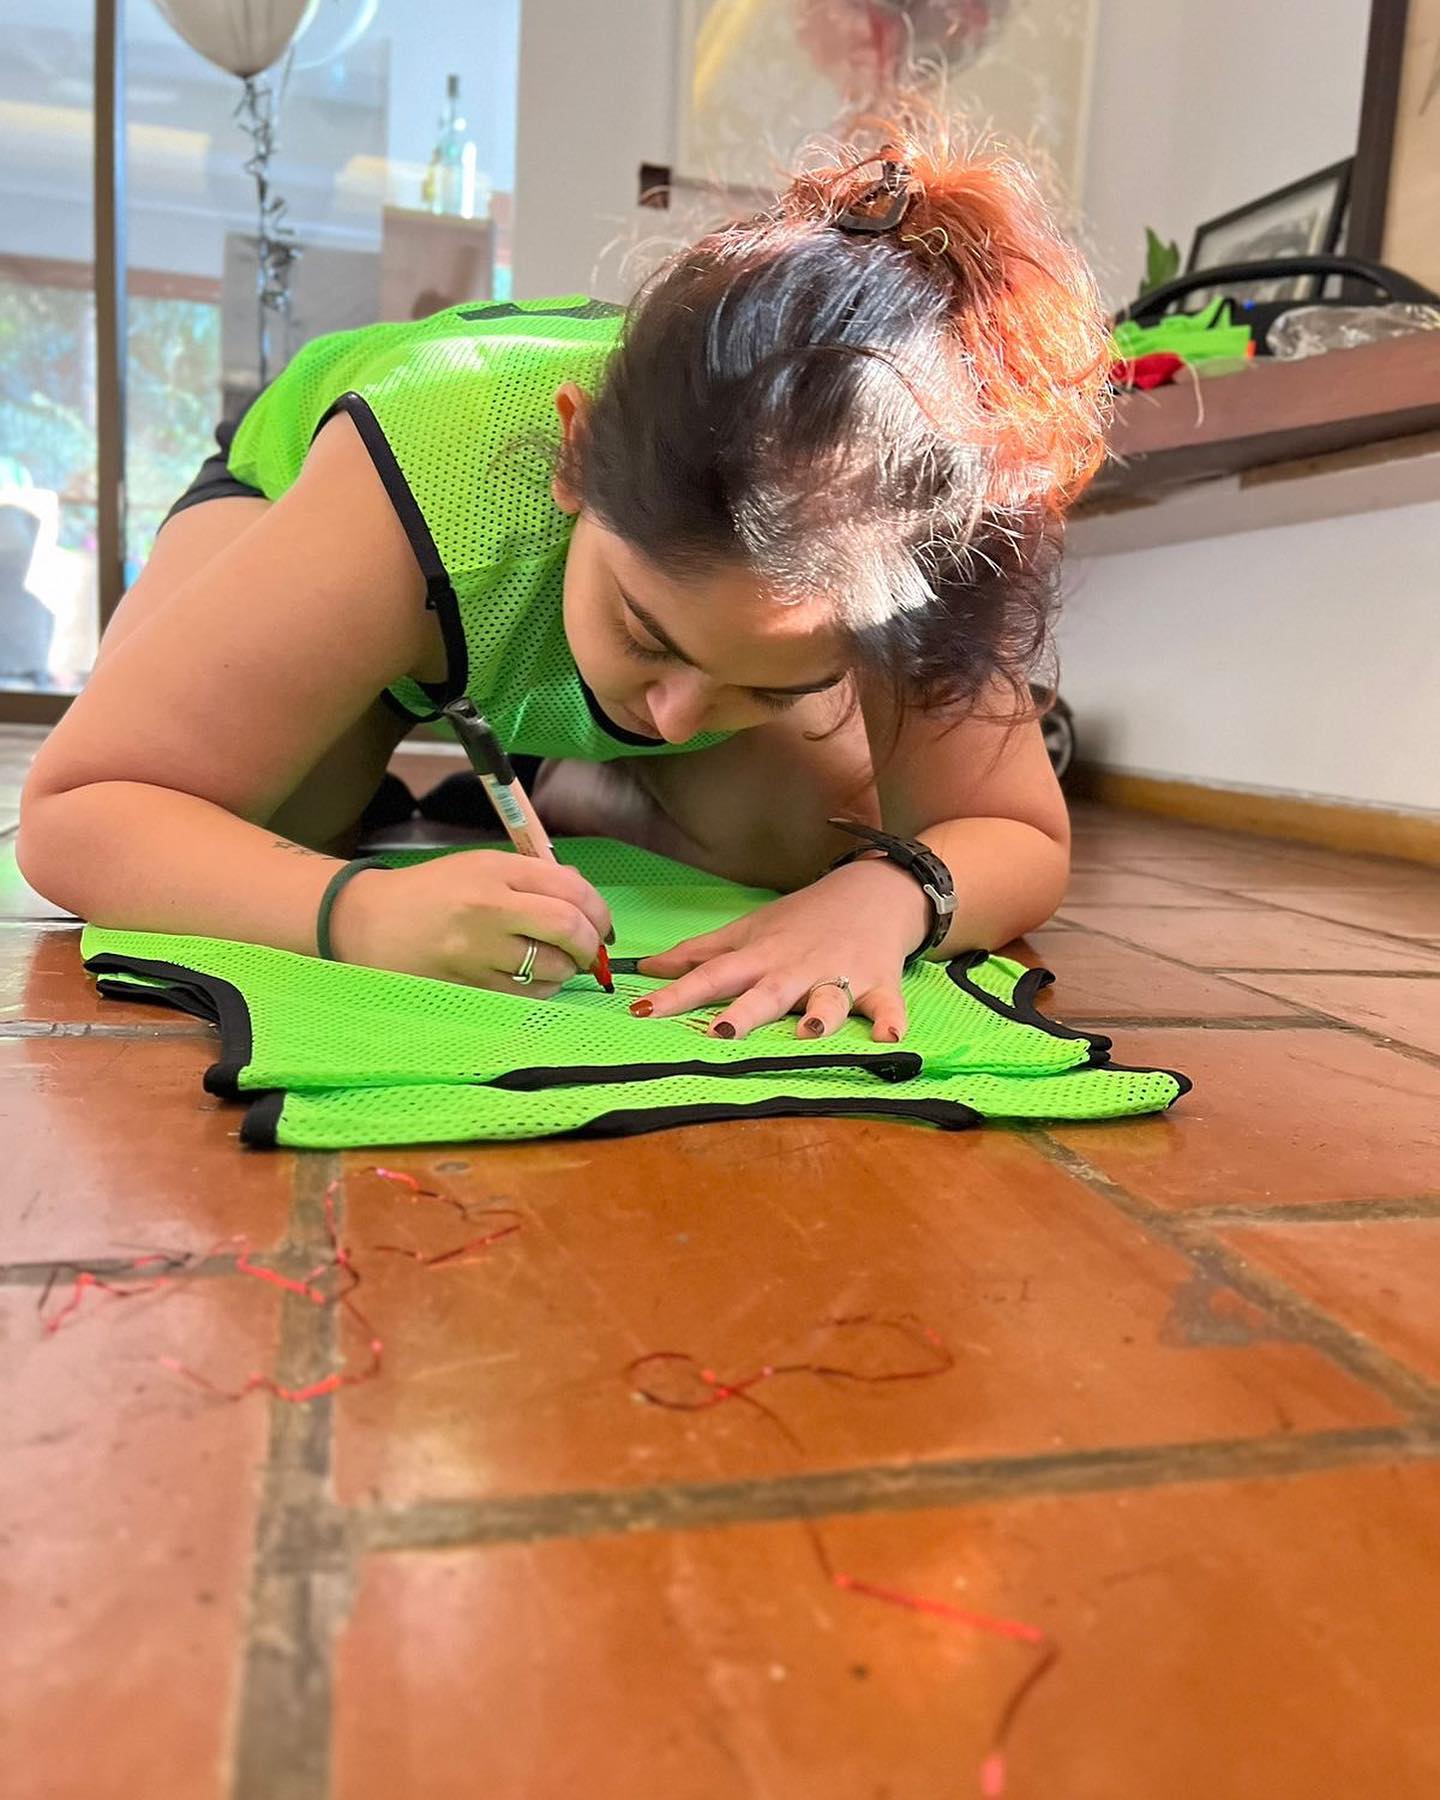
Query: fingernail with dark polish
[[610, 935], [642, 1009], [722, 1028], [813, 1026]]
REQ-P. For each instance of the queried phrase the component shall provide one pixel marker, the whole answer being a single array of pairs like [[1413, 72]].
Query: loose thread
[[89, 1279], [714, 1391], [993, 1771], [467, 1210], [333, 1282], [339, 1259]]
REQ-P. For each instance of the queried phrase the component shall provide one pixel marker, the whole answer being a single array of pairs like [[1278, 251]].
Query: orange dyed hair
[[1029, 360]]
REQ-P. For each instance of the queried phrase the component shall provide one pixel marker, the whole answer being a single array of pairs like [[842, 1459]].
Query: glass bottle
[[452, 182]]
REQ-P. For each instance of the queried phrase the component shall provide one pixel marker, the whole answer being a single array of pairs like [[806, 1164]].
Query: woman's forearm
[[1009, 878], [145, 858]]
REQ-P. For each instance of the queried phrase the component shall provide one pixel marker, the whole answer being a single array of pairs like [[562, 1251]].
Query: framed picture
[[755, 81], [1397, 169], [1301, 219]]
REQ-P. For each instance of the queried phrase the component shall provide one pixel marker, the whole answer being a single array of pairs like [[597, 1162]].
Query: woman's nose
[[680, 705]]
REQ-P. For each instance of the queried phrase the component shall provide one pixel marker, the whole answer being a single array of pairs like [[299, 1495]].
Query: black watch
[[936, 882]]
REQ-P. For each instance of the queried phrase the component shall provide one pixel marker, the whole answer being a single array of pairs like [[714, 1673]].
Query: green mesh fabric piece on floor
[[346, 1057], [296, 1022], [349, 1118]]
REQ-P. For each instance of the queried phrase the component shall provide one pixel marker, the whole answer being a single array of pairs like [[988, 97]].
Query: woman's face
[[668, 660]]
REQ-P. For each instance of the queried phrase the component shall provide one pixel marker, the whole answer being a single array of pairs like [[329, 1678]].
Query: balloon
[[333, 28], [240, 36]]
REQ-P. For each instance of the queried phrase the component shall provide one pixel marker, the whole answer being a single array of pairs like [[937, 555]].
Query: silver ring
[[525, 974], [837, 981]]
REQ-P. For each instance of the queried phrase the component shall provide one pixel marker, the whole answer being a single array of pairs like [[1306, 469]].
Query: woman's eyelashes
[[636, 647], [657, 653]]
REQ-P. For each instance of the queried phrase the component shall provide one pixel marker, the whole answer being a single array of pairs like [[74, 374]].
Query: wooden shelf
[[1269, 412]]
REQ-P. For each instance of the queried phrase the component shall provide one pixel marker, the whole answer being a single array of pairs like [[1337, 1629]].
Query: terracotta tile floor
[[1191, 1433]]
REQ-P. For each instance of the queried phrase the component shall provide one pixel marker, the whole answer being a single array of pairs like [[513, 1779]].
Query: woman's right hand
[[467, 918]]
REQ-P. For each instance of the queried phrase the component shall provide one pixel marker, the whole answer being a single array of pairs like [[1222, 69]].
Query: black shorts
[[213, 480]]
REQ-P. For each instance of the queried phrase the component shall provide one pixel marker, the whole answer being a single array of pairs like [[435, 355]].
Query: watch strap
[[917, 860]]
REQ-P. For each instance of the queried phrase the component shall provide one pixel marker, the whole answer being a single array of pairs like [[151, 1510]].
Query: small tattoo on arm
[[295, 849]]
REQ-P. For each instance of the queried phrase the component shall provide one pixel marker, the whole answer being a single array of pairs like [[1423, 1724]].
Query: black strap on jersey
[[917, 859]]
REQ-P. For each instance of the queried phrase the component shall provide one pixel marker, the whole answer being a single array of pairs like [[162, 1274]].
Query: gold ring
[[525, 974]]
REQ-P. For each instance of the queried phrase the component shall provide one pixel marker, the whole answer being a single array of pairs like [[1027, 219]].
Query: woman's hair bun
[[1029, 337]]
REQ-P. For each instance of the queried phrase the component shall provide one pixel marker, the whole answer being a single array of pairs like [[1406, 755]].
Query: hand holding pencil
[[512, 804]]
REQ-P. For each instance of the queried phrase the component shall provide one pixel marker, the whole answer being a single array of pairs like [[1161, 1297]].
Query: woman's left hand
[[861, 922]]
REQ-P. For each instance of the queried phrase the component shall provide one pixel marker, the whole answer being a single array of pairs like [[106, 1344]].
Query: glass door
[[49, 524], [394, 155]]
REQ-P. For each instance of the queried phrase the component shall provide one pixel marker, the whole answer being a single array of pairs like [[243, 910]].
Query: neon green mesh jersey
[[456, 412], [335, 1055]]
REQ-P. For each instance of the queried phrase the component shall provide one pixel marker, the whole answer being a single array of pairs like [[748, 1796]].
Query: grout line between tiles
[[1316, 1212], [899, 1487], [1305, 1016], [1122, 1022], [40, 1028], [1399, 938], [1231, 976], [44, 1274], [1298, 1319], [300, 1581], [1235, 974]]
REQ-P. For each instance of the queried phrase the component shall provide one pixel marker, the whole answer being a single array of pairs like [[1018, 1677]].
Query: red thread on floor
[[713, 1391], [89, 1279], [467, 1210], [339, 1259], [338, 1292]]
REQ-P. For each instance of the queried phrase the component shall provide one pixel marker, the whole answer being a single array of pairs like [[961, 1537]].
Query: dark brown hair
[[896, 420]]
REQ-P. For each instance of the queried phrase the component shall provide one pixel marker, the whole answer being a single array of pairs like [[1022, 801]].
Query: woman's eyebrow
[[656, 629], [663, 637]]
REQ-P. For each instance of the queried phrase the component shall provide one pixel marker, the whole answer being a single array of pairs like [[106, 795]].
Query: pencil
[[514, 806]]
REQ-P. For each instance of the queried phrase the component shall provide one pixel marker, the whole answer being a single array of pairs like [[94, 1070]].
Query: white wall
[[1197, 108], [596, 100], [1304, 659]]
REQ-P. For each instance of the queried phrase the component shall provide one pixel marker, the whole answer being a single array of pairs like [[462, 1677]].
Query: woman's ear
[[572, 403]]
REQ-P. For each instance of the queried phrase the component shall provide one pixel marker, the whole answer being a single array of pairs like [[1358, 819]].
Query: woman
[[790, 554]]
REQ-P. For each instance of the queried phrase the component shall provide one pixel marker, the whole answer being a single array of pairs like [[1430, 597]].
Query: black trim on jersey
[[507, 309], [1184, 1081], [888, 1065], [439, 592], [607, 724], [1021, 1004], [227, 1010], [175, 995], [219, 1002], [262, 1122]]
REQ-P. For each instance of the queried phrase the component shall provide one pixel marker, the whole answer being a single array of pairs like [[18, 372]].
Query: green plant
[[1162, 262]]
